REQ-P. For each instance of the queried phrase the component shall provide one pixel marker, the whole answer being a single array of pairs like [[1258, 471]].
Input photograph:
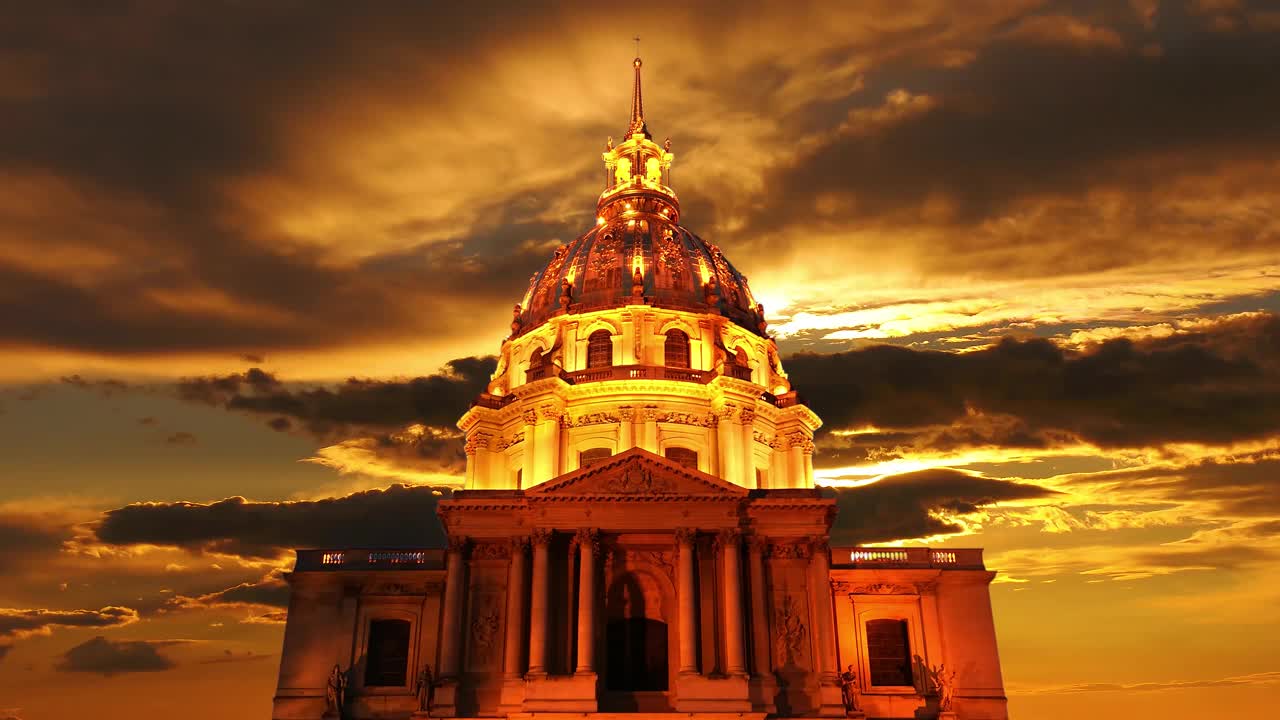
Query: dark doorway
[[637, 656]]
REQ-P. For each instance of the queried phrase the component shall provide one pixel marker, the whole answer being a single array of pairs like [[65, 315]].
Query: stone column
[[797, 460], [451, 638], [538, 602], [650, 440], [588, 549], [820, 564], [687, 591], [759, 617], [735, 660], [547, 433], [729, 439], [515, 609], [746, 447], [626, 428], [530, 460]]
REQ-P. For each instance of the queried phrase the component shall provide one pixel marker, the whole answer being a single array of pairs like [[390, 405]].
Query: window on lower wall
[[387, 656], [684, 456], [587, 458], [889, 652]]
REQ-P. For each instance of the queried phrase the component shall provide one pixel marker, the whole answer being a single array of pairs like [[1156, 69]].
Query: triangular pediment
[[637, 474]]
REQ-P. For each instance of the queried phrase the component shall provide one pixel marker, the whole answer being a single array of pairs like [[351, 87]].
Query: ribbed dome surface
[[675, 265]]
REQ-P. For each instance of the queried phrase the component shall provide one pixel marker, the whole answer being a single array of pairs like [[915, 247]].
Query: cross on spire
[[637, 103]]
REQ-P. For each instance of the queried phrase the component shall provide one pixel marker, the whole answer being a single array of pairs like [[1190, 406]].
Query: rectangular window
[[684, 456], [387, 656], [587, 458], [889, 652]]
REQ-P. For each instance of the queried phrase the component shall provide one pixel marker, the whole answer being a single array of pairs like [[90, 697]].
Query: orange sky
[[1023, 257]]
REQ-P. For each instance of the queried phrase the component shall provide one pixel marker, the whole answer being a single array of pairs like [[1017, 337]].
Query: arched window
[[676, 349], [387, 654], [599, 349], [590, 457], [889, 652], [537, 365], [684, 456], [740, 358]]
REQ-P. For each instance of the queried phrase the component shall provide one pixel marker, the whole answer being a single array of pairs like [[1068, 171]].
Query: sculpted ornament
[[476, 441], [882, 589], [542, 536], [515, 439], [686, 536], [791, 633], [530, 417], [491, 551], [484, 630], [637, 480], [458, 543], [789, 551], [596, 418]]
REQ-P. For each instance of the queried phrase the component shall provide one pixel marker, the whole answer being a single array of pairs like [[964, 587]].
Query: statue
[[335, 693], [424, 688], [849, 690], [944, 684], [566, 293], [609, 143], [637, 282], [622, 174], [666, 145], [515, 318]]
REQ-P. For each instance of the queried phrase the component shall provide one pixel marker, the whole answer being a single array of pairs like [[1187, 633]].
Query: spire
[[637, 103]]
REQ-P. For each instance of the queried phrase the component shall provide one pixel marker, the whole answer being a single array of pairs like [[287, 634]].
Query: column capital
[[519, 544], [530, 417], [728, 535], [542, 536], [589, 538], [627, 413], [686, 536], [820, 547], [458, 543], [757, 544]]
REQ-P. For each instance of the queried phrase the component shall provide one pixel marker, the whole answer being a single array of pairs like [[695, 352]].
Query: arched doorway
[[638, 643]]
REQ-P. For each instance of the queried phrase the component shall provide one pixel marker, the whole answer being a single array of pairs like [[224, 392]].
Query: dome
[[638, 253], [675, 267]]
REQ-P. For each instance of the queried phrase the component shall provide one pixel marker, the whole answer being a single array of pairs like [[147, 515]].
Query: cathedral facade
[[639, 531]]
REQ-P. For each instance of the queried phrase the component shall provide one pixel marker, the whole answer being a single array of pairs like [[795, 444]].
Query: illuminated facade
[[639, 530]]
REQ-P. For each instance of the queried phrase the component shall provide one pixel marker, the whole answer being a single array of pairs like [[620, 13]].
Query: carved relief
[[595, 418], [684, 418], [635, 480], [515, 439], [881, 589], [530, 417], [484, 629], [627, 413], [491, 551], [790, 634], [789, 551], [549, 412], [747, 416]]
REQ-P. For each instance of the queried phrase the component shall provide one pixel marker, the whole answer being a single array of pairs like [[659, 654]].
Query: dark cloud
[[356, 405], [1244, 485], [915, 505], [1218, 384], [113, 657], [17, 623], [399, 516]]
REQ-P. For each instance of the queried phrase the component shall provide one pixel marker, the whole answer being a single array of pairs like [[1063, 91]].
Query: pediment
[[637, 474]]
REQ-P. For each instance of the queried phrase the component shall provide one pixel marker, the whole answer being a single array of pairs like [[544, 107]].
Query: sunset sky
[[1023, 258]]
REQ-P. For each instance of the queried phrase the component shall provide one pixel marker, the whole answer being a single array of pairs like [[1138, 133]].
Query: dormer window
[[676, 349], [600, 349]]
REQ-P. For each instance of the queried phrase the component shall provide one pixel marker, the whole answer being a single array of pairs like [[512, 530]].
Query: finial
[[637, 103]]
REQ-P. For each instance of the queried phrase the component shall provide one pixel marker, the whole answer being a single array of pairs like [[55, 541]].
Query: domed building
[[639, 530]]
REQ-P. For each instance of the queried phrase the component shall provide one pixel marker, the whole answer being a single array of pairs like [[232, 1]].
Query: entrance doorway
[[637, 655]]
